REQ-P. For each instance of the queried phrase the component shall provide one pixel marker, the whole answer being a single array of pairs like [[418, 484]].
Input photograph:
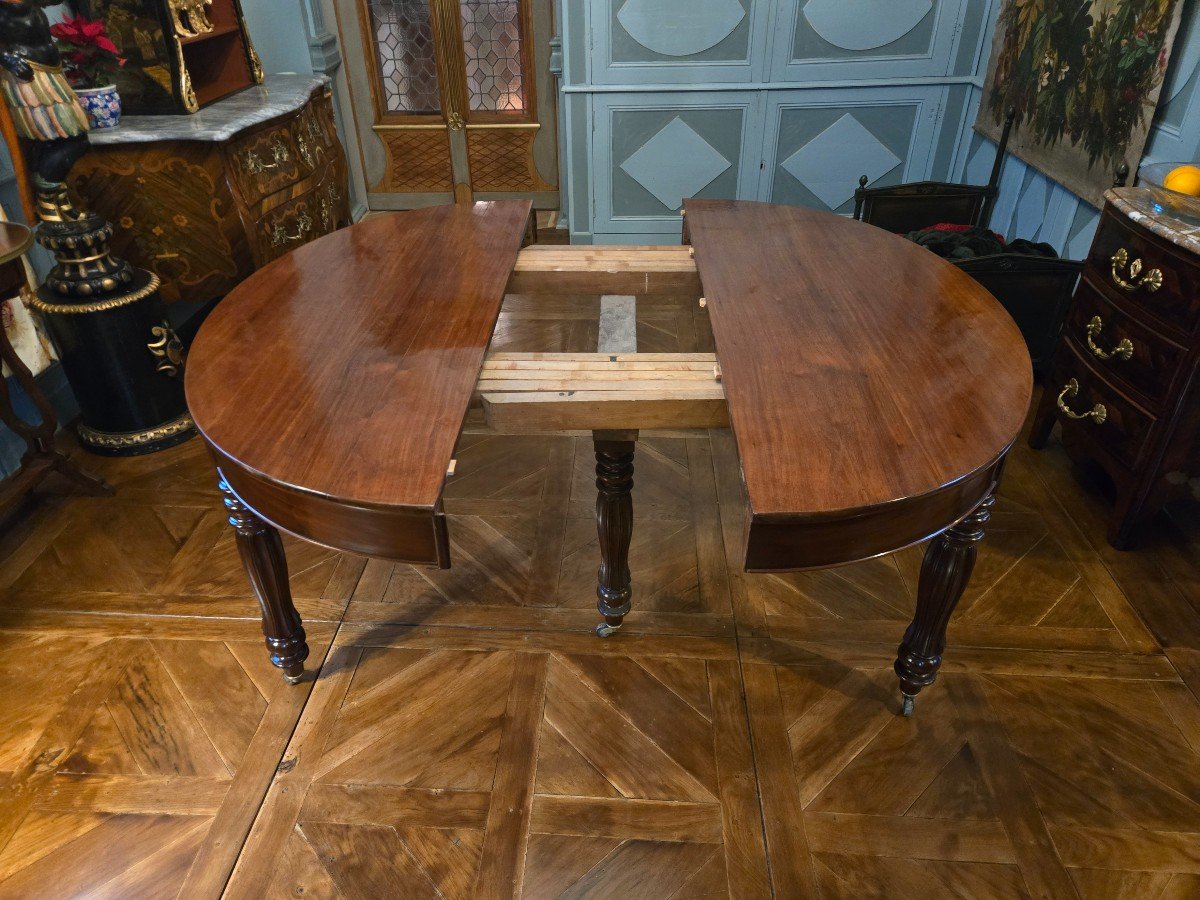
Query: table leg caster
[[908, 704], [607, 629], [293, 679]]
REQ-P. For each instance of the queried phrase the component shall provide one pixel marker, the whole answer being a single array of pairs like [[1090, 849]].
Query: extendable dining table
[[873, 391]]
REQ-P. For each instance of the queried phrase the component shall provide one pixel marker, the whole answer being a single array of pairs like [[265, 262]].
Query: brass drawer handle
[[1151, 281], [1097, 413], [280, 235], [1123, 350], [255, 165]]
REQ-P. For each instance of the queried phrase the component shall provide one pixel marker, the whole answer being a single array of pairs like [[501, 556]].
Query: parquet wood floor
[[465, 735]]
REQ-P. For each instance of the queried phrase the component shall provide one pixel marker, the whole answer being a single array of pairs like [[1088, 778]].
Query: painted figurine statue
[[108, 321], [44, 108], [53, 131]]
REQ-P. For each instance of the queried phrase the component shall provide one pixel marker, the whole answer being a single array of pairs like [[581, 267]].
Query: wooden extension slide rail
[[532, 392]]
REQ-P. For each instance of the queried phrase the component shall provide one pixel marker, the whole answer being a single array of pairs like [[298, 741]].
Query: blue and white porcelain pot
[[102, 105]]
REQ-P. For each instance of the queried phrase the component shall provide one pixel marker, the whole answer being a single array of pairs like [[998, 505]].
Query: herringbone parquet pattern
[[467, 736]]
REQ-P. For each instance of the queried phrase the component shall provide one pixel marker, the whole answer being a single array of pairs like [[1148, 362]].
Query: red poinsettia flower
[[84, 32], [89, 55]]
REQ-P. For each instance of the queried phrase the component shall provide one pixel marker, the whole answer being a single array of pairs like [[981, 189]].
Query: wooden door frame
[[373, 124]]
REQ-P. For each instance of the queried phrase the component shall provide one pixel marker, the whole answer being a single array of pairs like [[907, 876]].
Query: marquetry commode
[[1124, 383], [203, 200]]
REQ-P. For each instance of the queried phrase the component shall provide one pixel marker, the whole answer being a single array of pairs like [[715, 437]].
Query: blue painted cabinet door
[[845, 40], [678, 41], [819, 142], [649, 153]]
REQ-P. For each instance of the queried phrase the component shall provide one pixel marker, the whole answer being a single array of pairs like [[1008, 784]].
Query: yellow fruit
[[1184, 179]]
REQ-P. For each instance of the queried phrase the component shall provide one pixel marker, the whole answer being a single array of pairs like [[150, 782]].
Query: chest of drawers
[[1124, 385], [204, 200]]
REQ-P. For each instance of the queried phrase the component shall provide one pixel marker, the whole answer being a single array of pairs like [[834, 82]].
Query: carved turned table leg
[[614, 524], [262, 555], [945, 571]]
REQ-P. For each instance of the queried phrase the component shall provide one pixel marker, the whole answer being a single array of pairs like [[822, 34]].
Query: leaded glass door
[[452, 99]]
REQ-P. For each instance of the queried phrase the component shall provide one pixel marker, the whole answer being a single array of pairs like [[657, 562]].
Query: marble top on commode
[[219, 121], [1144, 208]]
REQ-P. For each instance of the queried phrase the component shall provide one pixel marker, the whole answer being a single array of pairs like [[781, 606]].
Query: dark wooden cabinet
[[204, 213], [180, 54], [1124, 383]]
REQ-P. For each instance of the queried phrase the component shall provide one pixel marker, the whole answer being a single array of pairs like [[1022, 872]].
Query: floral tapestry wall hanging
[[1084, 77]]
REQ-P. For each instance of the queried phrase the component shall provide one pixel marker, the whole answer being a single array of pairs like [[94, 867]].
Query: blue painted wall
[[792, 100], [278, 30]]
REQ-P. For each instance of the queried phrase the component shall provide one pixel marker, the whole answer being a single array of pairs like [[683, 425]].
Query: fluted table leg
[[261, 549], [945, 572], [614, 525]]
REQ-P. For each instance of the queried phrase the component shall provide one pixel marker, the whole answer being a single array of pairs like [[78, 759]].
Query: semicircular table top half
[[873, 389]]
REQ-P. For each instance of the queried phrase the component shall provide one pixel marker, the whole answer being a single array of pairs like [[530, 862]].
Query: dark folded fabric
[[967, 242]]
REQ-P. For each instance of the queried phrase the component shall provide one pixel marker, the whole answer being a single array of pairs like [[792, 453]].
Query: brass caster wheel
[[293, 679], [605, 630], [909, 703]]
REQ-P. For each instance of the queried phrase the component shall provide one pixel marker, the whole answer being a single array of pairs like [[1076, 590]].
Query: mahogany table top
[[344, 369], [873, 388], [859, 368]]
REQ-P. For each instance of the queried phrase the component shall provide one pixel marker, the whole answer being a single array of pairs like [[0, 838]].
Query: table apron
[[400, 535]]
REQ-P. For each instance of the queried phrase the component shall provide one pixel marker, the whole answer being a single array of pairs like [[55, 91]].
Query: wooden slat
[[646, 820], [605, 270], [354, 804], [212, 865], [600, 410], [526, 368], [783, 820], [596, 391], [551, 372], [507, 832], [601, 357], [137, 794], [623, 382]]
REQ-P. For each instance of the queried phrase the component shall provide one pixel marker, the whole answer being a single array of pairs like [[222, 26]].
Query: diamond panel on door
[[826, 164], [653, 157], [822, 144], [675, 163]]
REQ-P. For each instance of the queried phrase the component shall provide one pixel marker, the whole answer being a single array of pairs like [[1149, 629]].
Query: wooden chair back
[[909, 207], [1036, 291]]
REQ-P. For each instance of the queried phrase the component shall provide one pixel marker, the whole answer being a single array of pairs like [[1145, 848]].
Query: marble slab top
[[220, 121], [1144, 207]]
